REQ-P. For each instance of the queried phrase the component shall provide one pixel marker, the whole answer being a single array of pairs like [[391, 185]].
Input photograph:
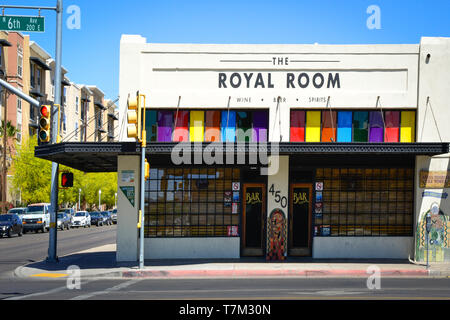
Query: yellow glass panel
[[313, 124], [408, 127], [197, 128]]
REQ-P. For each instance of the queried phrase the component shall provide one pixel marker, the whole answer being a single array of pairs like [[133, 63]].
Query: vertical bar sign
[[22, 23]]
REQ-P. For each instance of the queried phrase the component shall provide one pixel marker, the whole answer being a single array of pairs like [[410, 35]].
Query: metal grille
[[191, 202], [366, 202]]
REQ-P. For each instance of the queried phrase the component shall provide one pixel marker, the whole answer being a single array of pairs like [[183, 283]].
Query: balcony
[[101, 106]]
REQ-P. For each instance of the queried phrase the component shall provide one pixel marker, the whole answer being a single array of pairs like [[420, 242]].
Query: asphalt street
[[33, 247], [228, 289]]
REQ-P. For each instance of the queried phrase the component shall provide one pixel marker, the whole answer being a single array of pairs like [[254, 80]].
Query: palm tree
[[11, 133]]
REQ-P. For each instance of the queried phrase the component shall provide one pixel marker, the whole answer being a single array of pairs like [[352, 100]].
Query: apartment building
[[30, 68], [112, 120], [39, 71], [100, 113], [72, 113]]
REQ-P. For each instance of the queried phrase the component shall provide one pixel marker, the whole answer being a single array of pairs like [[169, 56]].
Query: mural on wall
[[277, 236], [438, 240]]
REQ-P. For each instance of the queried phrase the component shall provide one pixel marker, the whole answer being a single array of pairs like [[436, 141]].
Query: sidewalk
[[100, 263]]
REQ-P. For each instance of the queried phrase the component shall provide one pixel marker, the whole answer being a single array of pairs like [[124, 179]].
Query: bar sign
[[22, 23]]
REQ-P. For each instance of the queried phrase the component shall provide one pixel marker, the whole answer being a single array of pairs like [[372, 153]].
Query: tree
[[11, 133], [33, 177]]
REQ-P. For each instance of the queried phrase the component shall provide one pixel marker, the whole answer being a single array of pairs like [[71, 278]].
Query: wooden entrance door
[[253, 220], [300, 224]]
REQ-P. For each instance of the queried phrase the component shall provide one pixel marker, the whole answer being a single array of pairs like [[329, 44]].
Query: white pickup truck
[[36, 218]]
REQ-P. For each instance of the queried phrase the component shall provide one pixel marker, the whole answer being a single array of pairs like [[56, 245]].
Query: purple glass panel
[[165, 126], [376, 131], [260, 126]]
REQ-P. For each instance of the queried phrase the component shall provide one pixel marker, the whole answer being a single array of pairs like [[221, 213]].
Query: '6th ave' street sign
[[21, 23]]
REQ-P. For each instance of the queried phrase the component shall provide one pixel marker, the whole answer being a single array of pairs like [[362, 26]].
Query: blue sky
[[91, 54]]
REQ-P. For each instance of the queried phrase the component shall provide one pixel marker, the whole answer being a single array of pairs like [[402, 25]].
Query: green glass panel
[[360, 126], [244, 127], [151, 125]]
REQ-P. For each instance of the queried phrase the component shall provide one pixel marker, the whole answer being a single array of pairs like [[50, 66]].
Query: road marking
[[39, 294], [50, 275], [113, 289]]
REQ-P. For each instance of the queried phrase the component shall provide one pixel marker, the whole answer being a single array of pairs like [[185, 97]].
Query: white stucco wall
[[192, 248], [434, 89], [127, 215], [188, 76], [363, 247]]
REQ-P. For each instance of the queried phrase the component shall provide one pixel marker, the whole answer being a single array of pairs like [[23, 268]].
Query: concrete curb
[[25, 272], [268, 273]]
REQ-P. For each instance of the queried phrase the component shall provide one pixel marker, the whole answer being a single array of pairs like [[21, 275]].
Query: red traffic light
[[67, 180], [45, 111]]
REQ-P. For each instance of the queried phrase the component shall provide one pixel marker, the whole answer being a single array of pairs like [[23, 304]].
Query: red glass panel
[[298, 126]]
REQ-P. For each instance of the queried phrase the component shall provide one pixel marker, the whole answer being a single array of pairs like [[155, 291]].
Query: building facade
[[327, 152]]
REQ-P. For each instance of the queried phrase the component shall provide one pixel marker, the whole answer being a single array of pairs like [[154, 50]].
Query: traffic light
[[147, 170], [67, 180], [44, 124], [134, 118]]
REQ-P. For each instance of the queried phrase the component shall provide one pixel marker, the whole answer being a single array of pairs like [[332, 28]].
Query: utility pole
[[5, 141], [52, 257]]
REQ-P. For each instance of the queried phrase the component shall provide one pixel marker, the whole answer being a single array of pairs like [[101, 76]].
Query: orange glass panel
[[329, 125]]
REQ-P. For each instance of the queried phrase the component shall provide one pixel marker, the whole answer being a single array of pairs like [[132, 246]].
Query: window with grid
[[19, 61], [191, 202], [365, 202]]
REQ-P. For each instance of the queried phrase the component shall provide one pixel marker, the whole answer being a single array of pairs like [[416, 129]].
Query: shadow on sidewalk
[[107, 260], [91, 260]]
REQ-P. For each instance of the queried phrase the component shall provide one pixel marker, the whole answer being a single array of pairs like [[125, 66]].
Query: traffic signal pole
[[52, 257], [142, 189]]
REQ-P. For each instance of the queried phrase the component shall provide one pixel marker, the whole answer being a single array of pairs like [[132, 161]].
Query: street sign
[[22, 23]]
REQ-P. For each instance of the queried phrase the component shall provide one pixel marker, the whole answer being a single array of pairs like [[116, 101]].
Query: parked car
[[10, 224], [64, 221], [18, 211], [36, 217], [107, 216], [114, 216], [97, 219], [69, 211], [81, 219]]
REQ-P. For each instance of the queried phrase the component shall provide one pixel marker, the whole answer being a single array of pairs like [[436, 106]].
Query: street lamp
[[79, 199], [99, 198]]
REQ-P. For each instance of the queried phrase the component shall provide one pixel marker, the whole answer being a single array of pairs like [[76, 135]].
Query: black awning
[[5, 43], [287, 148], [87, 156], [36, 93], [65, 83], [101, 106], [40, 63], [113, 116], [102, 157]]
